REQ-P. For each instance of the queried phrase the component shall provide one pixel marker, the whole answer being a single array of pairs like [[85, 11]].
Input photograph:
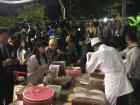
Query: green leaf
[[33, 11], [138, 19], [7, 21], [132, 21]]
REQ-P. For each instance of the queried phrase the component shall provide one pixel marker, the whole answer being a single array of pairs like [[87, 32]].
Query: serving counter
[[78, 89]]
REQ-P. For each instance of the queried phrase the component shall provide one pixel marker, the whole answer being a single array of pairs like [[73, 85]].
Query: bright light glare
[[105, 20], [15, 1], [111, 19], [79, 29]]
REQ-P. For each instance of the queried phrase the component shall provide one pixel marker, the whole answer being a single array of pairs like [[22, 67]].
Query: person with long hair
[[23, 53], [37, 64], [71, 51]]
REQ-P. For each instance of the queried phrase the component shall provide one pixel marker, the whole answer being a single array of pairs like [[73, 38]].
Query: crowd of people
[[71, 38], [30, 49]]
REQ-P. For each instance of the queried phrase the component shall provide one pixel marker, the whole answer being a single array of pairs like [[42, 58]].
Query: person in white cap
[[109, 61]]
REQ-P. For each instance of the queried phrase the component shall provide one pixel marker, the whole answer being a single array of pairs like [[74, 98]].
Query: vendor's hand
[[89, 54], [125, 61]]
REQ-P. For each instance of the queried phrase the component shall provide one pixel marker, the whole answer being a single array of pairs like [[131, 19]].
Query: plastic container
[[76, 68], [73, 71], [62, 67], [38, 95], [57, 89]]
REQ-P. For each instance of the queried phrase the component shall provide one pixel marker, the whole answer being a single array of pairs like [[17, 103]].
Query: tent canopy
[[10, 7], [15, 1]]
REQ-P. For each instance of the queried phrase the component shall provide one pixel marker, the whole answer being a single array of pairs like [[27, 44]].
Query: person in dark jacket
[[84, 49], [71, 52], [6, 73]]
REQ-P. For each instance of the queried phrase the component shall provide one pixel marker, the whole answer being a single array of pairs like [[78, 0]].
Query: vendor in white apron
[[108, 60]]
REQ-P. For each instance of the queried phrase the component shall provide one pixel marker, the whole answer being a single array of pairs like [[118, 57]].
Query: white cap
[[94, 41]]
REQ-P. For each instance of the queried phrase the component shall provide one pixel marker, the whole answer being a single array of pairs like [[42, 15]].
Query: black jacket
[[4, 54]]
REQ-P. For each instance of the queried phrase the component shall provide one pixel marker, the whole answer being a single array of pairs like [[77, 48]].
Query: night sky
[[134, 8], [6, 9]]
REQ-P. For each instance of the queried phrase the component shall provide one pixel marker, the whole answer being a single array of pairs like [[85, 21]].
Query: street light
[[105, 20]]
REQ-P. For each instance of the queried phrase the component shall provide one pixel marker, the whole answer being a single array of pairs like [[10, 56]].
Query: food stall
[[70, 87]]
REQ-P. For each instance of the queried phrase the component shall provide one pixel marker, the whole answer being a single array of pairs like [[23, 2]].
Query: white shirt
[[107, 58], [109, 61], [22, 53], [33, 66], [32, 63]]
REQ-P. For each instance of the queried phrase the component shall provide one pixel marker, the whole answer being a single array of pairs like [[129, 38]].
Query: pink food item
[[74, 71], [38, 95], [76, 68]]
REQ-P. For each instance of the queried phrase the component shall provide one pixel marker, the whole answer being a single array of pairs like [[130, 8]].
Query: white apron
[[116, 84], [109, 61]]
